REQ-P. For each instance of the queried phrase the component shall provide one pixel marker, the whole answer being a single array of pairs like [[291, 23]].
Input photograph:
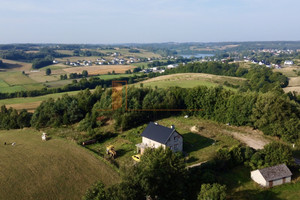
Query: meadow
[[14, 81], [190, 80], [53, 169], [31, 103]]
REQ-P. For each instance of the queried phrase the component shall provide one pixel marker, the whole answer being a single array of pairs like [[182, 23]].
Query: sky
[[147, 21]]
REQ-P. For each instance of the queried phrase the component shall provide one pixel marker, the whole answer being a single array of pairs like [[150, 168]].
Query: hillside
[[55, 169], [189, 80]]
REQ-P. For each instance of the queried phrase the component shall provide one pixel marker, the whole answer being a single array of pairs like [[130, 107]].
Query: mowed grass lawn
[[55, 169]]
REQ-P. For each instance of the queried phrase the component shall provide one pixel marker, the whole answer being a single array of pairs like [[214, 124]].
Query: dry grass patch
[[288, 71], [294, 85], [101, 69], [16, 65]]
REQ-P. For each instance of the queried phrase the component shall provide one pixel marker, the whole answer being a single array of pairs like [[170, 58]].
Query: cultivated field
[[55, 169], [14, 81], [288, 71], [100, 69], [190, 80], [16, 65], [31, 103], [294, 85]]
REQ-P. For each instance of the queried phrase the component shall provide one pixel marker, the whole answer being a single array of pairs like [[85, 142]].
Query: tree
[[97, 192], [212, 192], [162, 173], [48, 71], [84, 73]]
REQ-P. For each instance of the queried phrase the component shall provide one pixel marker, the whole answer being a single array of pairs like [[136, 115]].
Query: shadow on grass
[[255, 195], [122, 152], [194, 142]]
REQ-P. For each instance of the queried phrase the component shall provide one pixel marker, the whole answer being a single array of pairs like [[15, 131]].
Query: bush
[[212, 192]]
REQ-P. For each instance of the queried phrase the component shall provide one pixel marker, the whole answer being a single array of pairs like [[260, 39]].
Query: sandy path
[[252, 138]]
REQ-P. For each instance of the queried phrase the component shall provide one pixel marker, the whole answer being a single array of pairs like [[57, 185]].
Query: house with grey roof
[[272, 176], [156, 135]]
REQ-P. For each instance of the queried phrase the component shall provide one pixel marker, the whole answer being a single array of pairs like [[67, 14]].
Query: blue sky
[[146, 21]]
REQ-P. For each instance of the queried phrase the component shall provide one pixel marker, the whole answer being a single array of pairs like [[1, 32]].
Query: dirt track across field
[[252, 138]]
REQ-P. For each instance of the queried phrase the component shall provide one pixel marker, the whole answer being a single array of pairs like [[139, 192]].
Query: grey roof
[[275, 172], [157, 132]]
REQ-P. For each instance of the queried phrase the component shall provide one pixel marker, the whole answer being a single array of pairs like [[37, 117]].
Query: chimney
[[172, 126]]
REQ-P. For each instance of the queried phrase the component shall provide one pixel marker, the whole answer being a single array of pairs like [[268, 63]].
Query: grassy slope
[[56, 169], [189, 80]]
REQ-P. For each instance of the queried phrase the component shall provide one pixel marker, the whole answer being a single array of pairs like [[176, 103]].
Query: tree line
[[21, 55], [273, 113]]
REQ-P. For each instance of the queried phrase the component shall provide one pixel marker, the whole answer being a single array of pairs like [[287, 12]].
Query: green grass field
[[55, 169], [108, 77], [190, 80], [15, 81], [34, 99]]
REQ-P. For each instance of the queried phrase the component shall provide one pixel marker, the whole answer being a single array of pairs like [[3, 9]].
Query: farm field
[[100, 69], [108, 77], [294, 85], [41, 77], [288, 71], [55, 169], [30, 103], [190, 80], [200, 143], [14, 81], [16, 65], [125, 52]]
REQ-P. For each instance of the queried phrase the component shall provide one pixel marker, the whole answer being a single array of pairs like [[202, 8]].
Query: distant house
[[172, 66], [288, 62], [156, 135], [272, 176]]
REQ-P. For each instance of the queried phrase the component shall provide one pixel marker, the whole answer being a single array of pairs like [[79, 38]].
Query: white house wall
[[175, 142], [258, 178], [152, 143]]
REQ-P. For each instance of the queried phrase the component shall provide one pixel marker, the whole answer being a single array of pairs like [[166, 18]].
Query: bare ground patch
[[252, 138], [102, 69]]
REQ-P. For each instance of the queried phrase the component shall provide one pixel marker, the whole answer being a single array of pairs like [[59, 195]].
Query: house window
[[175, 138], [175, 147]]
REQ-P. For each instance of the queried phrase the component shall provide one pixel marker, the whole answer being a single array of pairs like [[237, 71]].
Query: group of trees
[[1, 64], [12, 119], [275, 114], [42, 62], [21, 55], [84, 74], [79, 52], [161, 174]]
